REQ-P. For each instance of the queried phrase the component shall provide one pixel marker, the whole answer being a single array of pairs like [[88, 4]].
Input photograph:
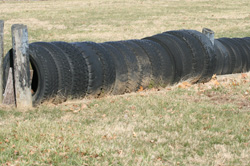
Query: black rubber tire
[[64, 71], [247, 42], [120, 68], [173, 50], [108, 67], [227, 63], [246, 53], [45, 74], [186, 55], [144, 64], [196, 52], [247, 39], [78, 67], [238, 54], [134, 79], [152, 61], [94, 69], [236, 65], [161, 62], [209, 55], [242, 55], [221, 62]]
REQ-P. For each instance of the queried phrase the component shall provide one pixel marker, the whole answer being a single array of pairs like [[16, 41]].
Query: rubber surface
[[78, 67], [247, 39], [186, 55], [93, 67], [144, 64], [239, 64], [172, 50], [196, 52], [108, 67], [209, 55], [134, 79], [234, 62], [121, 69], [162, 65], [221, 62], [63, 67], [45, 77], [245, 53]]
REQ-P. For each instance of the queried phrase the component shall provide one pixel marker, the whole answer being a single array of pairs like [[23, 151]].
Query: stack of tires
[[233, 55], [111, 68]]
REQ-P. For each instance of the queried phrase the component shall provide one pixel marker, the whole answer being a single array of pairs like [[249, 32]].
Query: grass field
[[205, 124]]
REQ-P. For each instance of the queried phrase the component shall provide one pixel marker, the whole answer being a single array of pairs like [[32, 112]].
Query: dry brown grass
[[204, 124], [117, 20]]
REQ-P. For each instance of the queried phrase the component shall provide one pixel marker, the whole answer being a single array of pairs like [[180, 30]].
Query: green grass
[[200, 125], [168, 127]]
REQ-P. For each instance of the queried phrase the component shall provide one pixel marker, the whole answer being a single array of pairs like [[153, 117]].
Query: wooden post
[[21, 65], [209, 33], [9, 94], [1, 60]]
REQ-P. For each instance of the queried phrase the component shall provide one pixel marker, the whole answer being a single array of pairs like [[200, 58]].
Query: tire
[[78, 67], [196, 52], [44, 83], [134, 79], [186, 55], [247, 39], [161, 62], [144, 64], [64, 71], [94, 68], [107, 65], [220, 61], [121, 69], [247, 42], [242, 55], [239, 65], [246, 53], [209, 55], [172, 49], [236, 65]]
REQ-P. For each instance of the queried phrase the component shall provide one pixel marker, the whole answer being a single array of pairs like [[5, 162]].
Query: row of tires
[[96, 69], [233, 55]]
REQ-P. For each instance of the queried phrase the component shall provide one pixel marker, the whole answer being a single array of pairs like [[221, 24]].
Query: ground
[[202, 124]]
